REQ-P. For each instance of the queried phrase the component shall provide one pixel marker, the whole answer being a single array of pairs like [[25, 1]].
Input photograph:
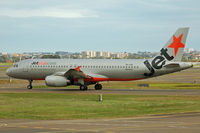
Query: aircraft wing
[[81, 76], [73, 73]]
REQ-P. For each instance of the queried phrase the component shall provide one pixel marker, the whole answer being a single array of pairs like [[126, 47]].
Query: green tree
[[50, 56], [2, 59]]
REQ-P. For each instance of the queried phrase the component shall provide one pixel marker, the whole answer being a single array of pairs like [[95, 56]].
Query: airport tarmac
[[184, 123], [106, 91]]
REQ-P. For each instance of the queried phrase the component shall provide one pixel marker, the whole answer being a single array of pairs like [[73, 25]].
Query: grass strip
[[51, 106]]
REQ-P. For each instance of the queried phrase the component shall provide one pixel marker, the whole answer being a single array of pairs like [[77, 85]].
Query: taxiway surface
[[184, 123]]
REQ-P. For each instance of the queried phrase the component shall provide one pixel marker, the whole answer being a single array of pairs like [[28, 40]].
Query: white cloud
[[47, 12]]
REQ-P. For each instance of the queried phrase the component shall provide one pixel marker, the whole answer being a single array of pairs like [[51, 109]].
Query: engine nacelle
[[56, 81]]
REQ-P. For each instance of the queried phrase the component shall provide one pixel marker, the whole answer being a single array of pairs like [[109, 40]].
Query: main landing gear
[[83, 87], [30, 84], [98, 87]]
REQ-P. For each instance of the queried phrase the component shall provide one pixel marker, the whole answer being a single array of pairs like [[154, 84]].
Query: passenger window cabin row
[[84, 66]]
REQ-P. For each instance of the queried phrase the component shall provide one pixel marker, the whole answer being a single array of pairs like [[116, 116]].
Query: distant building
[[16, 55], [4, 53], [103, 54], [89, 54], [189, 55], [196, 56], [189, 50], [119, 55]]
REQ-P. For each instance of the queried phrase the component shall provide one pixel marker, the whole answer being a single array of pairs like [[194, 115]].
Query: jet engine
[[56, 81]]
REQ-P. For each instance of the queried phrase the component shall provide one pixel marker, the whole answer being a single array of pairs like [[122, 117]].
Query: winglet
[[78, 68]]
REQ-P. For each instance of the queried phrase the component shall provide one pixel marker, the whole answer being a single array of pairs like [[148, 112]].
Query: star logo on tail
[[176, 44]]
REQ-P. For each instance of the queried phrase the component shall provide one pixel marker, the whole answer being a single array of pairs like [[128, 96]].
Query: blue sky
[[101, 25]]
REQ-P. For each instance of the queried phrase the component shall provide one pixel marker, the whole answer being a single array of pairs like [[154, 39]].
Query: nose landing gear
[[30, 84]]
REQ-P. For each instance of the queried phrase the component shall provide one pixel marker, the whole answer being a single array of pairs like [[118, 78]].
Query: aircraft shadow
[[49, 89]]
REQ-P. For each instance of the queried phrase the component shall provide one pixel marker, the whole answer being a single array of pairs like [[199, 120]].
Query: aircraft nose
[[8, 71]]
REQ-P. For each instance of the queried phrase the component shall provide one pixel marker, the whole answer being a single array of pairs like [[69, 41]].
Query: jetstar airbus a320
[[84, 72]]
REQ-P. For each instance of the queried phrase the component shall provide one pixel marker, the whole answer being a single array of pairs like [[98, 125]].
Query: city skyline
[[96, 51], [189, 55], [106, 25]]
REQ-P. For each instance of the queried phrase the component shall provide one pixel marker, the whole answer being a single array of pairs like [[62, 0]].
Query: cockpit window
[[15, 65]]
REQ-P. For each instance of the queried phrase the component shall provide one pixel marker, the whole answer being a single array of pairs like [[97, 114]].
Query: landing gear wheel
[[98, 87], [83, 87], [29, 87], [30, 84]]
